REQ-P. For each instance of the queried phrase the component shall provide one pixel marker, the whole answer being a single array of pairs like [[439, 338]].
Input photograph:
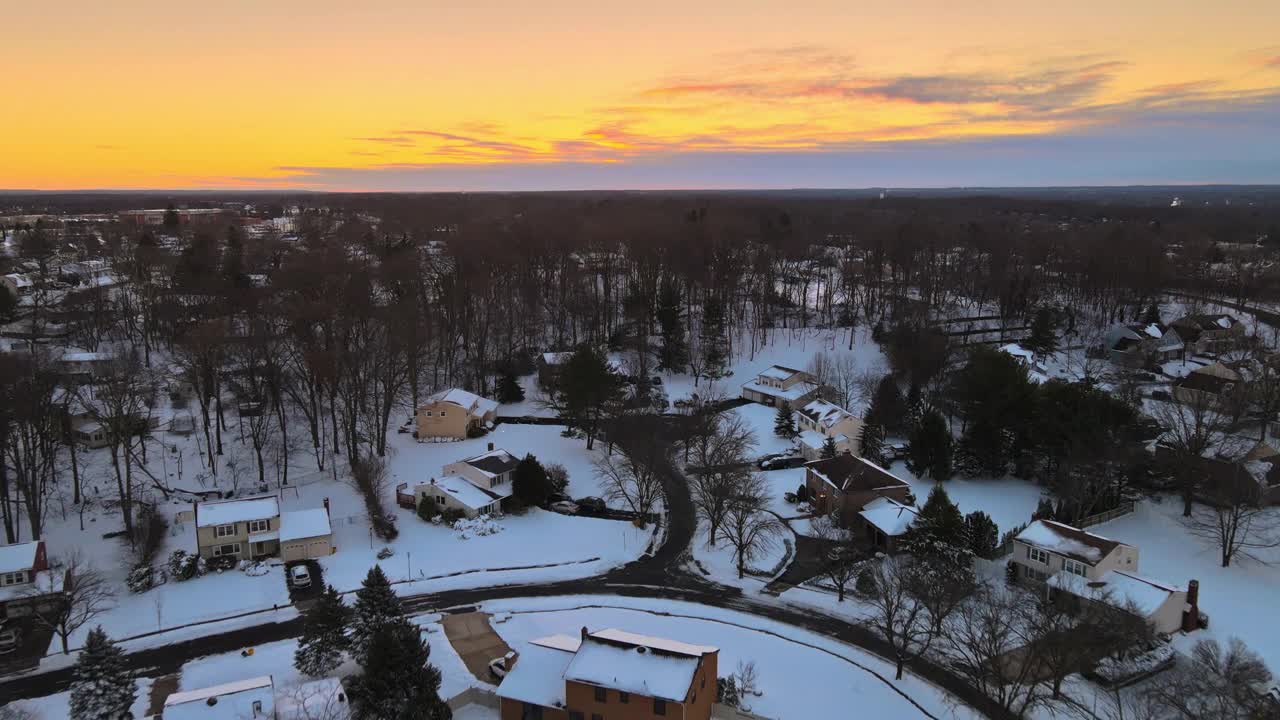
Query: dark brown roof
[[495, 462], [1204, 382], [854, 474]]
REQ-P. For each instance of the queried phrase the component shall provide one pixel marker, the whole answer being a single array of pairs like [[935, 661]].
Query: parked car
[[564, 507], [782, 463], [299, 576], [499, 667], [558, 497], [10, 639], [590, 504], [895, 451]]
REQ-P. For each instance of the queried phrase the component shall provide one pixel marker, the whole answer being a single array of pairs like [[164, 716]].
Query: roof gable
[[1069, 541], [853, 474]]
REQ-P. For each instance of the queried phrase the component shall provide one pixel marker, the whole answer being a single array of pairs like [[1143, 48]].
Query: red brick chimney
[[1191, 616]]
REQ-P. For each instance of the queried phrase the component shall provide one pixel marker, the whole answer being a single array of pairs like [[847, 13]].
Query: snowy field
[[790, 662], [1009, 501]]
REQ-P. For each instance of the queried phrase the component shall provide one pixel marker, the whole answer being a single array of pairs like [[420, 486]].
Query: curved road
[[660, 576]]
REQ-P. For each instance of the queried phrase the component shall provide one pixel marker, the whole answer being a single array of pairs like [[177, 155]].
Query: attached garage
[[305, 535]]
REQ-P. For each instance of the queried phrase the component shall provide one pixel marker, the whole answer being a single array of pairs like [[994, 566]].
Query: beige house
[[610, 673], [820, 420], [493, 471], [450, 414], [781, 385], [254, 528], [1098, 569]]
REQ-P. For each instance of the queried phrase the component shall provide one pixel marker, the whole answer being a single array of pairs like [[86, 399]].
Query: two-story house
[[781, 385], [475, 486], [253, 528], [1136, 346], [610, 673], [1096, 568], [26, 580], [819, 421], [492, 471], [845, 484], [260, 698], [451, 414], [1214, 333], [1214, 386]]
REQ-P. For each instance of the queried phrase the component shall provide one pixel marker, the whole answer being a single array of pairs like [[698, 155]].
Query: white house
[[781, 385], [451, 492], [240, 700], [492, 471]]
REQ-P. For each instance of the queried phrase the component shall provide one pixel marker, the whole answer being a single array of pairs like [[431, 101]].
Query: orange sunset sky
[[561, 95]]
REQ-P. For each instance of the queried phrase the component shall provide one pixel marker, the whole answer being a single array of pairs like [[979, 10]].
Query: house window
[[441, 413], [13, 578], [575, 715], [659, 706], [1075, 568], [427, 413], [1034, 574], [531, 712], [624, 698], [602, 695], [1038, 555], [258, 526], [224, 530], [257, 708], [232, 549]]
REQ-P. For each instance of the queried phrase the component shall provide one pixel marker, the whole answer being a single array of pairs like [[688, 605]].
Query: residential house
[[26, 580], [884, 521], [261, 698], [780, 385], [1024, 357], [451, 414], [1095, 568], [550, 365], [18, 284], [846, 484], [1209, 333], [819, 421], [1215, 386], [492, 471], [451, 492], [1254, 475], [1138, 345], [253, 528], [85, 366], [610, 673]]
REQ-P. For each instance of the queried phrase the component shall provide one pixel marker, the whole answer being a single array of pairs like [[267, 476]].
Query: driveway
[[475, 642]]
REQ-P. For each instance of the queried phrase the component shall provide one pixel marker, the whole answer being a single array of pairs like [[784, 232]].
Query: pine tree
[[929, 454], [939, 532], [784, 423], [324, 636], [509, 390], [1043, 339], [715, 346], [871, 442], [530, 482], [828, 449], [673, 356], [588, 388], [1152, 315], [376, 605], [102, 687], [983, 532], [888, 408], [397, 682]]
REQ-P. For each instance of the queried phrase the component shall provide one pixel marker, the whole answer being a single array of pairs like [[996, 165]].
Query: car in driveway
[[10, 639], [593, 505], [299, 577], [499, 667], [781, 463], [564, 507]]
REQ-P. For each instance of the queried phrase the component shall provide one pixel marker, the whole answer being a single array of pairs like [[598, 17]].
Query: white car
[[10, 639], [499, 667], [300, 576], [564, 507]]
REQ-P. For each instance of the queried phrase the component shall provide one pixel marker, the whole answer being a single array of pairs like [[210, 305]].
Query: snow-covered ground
[[58, 707], [790, 663], [1009, 501]]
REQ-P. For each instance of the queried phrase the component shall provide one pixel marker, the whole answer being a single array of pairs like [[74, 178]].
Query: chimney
[[433, 481], [490, 447], [1191, 616], [584, 632], [326, 506]]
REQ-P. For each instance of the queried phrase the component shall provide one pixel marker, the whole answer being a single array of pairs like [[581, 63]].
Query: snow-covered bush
[[141, 578], [1120, 671], [479, 526], [184, 565], [254, 568], [385, 553]]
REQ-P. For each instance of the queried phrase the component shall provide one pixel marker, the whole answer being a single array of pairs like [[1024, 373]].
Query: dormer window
[[13, 578]]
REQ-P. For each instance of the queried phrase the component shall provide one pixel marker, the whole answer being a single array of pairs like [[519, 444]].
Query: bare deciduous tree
[[1193, 429], [897, 612], [634, 476], [85, 594], [839, 551], [986, 639], [1213, 683], [750, 529], [1233, 521]]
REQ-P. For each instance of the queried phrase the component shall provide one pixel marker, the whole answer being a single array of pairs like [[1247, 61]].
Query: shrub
[[1011, 572], [558, 475], [149, 531], [727, 691], [223, 562], [802, 493], [427, 509], [477, 431], [452, 515], [865, 585], [184, 565], [141, 578]]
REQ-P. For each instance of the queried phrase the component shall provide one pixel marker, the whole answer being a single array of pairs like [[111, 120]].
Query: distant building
[[610, 673], [451, 414], [781, 385], [1137, 346], [26, 580], [1214, 333], [140, 218], [260, 698]]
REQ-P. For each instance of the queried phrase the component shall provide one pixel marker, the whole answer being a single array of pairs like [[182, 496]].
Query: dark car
[[782, 463], [591, 505]]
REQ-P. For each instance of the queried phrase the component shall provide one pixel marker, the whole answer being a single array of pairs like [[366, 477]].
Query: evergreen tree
[[828, 449], [996, 402], [929, 453], [588, 389], [396, 681], [673, 356], [888, 408], [324, 636], [1152, 315], [871, 442], [376, 605], [715, 345], [530, 482], [1043, 339], [984, 535], [102, 687], [171, 218], [509, 390], [784, 422], [939, 532]]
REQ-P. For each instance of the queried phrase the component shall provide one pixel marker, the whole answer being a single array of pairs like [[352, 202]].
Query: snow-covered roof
[[323, 698], [825, 413], [1066, 540], [795, 392], [225, 512], [463, 491], [891, 517], [637, 664], [556, 358], [1017, 350], [569, 643], [811, 439], [848, 473], [779, 372], [298, 524], [19, 280], [1153, 330], [233, 701], [42, 582], [468, 401], [538, 676], [1119, 589], [19, 556], [86, 356]]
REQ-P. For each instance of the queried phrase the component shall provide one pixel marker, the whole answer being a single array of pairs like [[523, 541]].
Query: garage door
[[305, 550]]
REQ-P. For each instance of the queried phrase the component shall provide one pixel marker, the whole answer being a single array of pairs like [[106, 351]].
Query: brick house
[[610, 673], [845, 484]]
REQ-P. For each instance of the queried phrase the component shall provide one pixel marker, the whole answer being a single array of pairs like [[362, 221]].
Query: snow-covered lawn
[[58, 706], [1240, 600], [790, 662], [760, 419], [1009, 501], [719, 560]]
